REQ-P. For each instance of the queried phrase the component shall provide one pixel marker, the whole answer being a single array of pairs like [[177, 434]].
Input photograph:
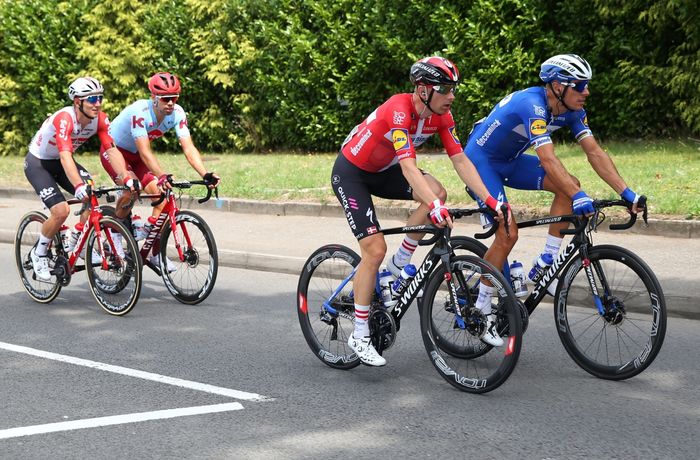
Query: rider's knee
[[60, 211], [373, 250], [442, 194], [506, 242]]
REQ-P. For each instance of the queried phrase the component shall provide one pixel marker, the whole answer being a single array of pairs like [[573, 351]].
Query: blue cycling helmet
[[565, 67]]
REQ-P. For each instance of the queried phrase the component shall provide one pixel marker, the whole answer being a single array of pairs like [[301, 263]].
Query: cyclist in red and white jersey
[[50, 161], [378, 158], [134, 129]]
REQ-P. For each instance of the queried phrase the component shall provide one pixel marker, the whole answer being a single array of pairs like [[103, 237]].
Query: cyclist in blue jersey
[[524, 120], [134, 129]]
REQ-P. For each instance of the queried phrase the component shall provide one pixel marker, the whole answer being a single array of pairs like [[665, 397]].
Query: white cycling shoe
[[364, 350], [491, 336], [41, 266], [169, 265]]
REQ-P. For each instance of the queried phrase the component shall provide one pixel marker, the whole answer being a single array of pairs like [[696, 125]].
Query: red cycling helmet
[[434, 70], [164, 83]]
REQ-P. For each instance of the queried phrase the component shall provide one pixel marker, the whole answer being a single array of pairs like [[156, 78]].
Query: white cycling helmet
[[565, 67], [85, 86]]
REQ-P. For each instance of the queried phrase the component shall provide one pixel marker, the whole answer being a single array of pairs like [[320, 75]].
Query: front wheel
[[452, 330], [325, 304], [190, 279], [617, 334], [113, 266], [27, 235]]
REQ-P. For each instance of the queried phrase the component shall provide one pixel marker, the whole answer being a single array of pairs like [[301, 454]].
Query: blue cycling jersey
[[519, 121], [139, 120]]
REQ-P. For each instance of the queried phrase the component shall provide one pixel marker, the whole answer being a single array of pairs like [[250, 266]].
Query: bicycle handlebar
[[97, 193], [184, 185], [601, 204], [458, 213]]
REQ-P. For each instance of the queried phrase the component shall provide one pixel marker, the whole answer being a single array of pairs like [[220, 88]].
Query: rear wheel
[[327, 320], [452, 332], [26, 237], [194, 277], [115, 279]]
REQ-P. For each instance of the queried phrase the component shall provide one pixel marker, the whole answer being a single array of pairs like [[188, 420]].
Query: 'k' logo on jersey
[[137, 122]]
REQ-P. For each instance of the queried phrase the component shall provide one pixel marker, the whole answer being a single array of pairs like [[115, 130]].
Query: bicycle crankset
[[382, 330], [61, 271]]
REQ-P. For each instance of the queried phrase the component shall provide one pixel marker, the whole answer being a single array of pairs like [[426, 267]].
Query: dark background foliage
[[299, 74]]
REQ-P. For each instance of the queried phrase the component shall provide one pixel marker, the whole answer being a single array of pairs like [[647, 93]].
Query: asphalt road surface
[[234, 378]]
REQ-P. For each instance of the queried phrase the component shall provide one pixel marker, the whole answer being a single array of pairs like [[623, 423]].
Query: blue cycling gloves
[[583, 204], [629, 195]]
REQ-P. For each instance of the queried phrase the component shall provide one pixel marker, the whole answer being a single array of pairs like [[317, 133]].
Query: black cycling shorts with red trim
[[354, 188], [46, 175]]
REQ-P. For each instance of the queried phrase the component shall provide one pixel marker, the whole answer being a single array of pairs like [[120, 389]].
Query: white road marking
[[139, 374], [117, 420]]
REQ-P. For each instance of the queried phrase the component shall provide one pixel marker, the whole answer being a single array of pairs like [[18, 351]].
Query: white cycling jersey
[[62, 132]]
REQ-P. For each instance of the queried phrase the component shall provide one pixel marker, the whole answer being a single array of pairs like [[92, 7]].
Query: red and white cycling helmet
[[85, 86], [164, 84], [434, 70]]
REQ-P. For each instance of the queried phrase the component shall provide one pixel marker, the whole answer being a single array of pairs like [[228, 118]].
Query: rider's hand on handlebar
[[494, 204], [81, 192], [164, 182], [133, 184], [439, 214], [212, 179], [582, 204], [631, 197]]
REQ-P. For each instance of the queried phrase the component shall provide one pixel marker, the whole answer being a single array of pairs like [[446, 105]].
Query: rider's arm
[[69, 167], [115, 158], [602, 164], [469, 175], [143, 145], [555, 170], [192, 155], [415, 179]]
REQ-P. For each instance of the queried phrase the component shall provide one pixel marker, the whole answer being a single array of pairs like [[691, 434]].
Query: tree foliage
[[299, 74]]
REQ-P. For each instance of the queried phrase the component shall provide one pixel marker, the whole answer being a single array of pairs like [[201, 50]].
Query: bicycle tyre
[[468, 244], [634, 319], [326, 334], [195, 277], [118, 287], [26, 236], [457, 353]]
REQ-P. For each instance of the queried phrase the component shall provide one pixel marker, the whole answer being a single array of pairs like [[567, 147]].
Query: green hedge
[[299, 74]]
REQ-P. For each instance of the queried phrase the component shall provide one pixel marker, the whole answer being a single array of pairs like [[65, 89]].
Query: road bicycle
[[183, 238], [609, 308], [114, 268], [451, 326]]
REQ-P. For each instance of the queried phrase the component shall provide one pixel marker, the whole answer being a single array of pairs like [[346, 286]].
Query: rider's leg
[[561, 205], [58, 215], [405, 251]]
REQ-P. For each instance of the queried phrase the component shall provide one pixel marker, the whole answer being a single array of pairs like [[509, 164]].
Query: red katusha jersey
[[393, 131], [62, 132]]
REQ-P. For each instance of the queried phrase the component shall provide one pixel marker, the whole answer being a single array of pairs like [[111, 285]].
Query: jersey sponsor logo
[[418, 140], [400, 137], [336, 179], [46, 192], [399, 117], [485, 137], [155, 134], [506, 100], [540, 141], [183, 123], [538, 127], [62, 130], [371, 230], [453, 133], [539, 111], [346, 208], [585, 121], [363, 139], [370, 214], [137, 122]]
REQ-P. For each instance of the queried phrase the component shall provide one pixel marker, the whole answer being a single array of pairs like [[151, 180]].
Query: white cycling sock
[[361, 324], [483, 302], [42, 248], [552, 245], [405, 252]]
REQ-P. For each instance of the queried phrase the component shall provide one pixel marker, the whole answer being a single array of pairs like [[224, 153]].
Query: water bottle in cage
[[386, 279], [407, 273]]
